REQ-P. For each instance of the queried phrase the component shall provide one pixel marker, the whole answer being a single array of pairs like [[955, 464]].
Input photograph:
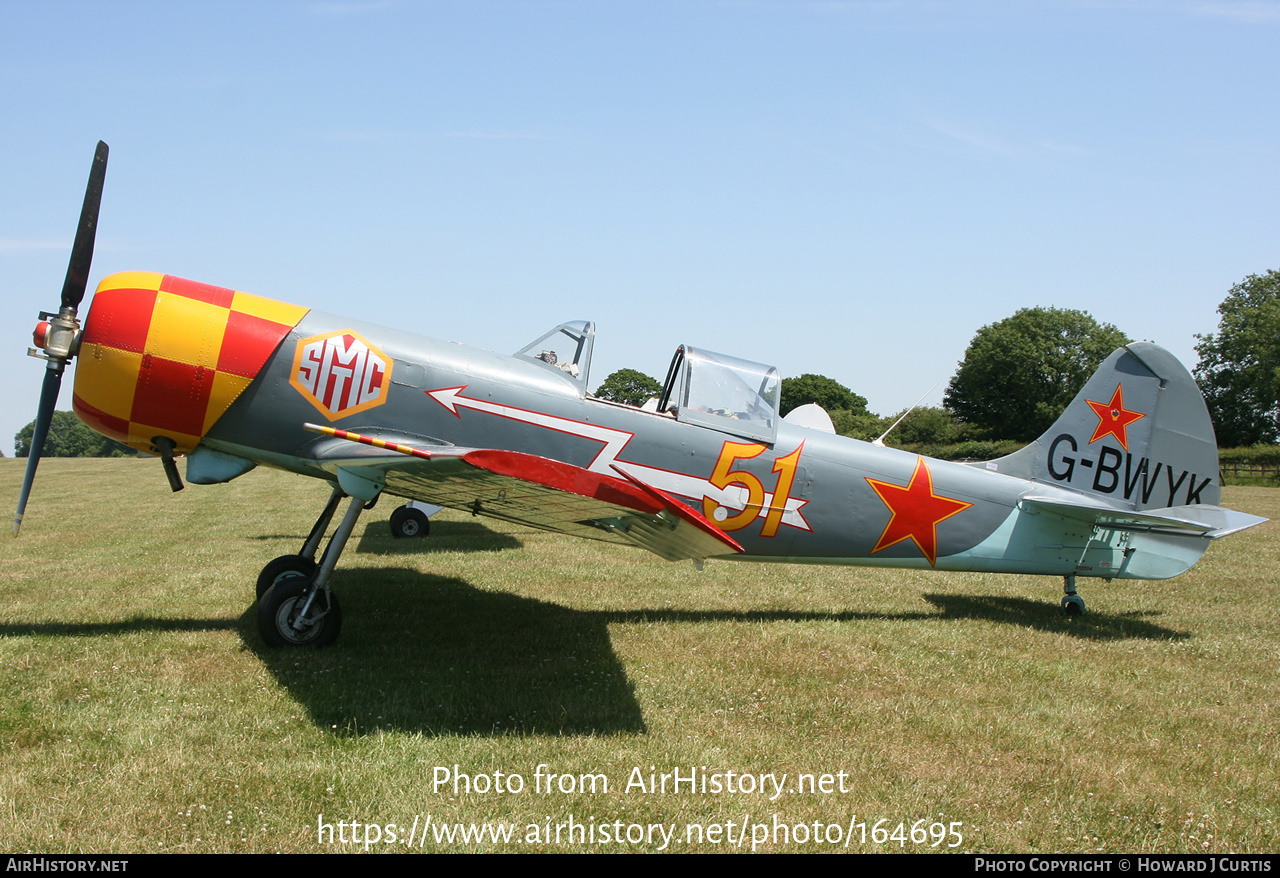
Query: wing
[[533, 491]]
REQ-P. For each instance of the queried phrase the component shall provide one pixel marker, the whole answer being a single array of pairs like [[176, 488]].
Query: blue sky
[[849, 188]]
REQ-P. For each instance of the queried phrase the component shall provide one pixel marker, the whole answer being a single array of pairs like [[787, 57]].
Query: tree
[[628, 386], [860, 425], [1019, 374], [926, 425], [826, 392], [1239, 368], [68, 437]]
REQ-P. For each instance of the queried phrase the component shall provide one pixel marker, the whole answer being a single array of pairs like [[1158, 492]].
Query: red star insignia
[[917, 512], [1113, 418]]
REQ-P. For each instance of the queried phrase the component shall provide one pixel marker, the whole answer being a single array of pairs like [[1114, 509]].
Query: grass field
[[140, 712]]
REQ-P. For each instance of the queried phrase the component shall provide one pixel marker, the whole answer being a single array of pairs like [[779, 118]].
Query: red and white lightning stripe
[[606, 460]]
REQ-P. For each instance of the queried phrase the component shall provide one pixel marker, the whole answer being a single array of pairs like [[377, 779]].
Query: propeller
[[57, 336]]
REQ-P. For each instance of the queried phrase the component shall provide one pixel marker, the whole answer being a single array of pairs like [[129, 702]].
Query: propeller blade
[[44, 417], [65, 325], [82, 250]]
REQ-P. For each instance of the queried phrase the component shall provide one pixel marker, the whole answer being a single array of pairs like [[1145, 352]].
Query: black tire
[[282, 601], [286, 566], [407, 523], [1073, 605]]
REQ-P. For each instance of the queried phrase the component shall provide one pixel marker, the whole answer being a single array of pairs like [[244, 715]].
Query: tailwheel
[[1072, 603], [284, 567], [293, 612]]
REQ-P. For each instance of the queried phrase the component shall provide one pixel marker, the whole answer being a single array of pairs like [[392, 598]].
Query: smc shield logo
[[340, 373]]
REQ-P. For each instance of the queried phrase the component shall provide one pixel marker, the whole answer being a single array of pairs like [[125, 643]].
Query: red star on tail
[[1113, 418]]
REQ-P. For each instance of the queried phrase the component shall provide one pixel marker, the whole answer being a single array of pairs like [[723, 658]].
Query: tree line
[[68, 437]]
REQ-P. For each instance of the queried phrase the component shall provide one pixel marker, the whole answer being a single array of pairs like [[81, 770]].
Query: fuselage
[[836, 499]]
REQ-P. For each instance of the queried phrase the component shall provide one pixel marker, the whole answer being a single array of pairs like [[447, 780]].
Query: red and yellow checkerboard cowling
[[163, 356]]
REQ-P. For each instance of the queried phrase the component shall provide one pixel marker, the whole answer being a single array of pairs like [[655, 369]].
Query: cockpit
[[567, 349], [722, 392]]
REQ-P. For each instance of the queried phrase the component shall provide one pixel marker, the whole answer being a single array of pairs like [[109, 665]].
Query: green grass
[[139, 711]]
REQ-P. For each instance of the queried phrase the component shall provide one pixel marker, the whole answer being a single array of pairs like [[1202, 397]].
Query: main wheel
[[407, 522], [286, 566], [1073, 605], [278, 611]]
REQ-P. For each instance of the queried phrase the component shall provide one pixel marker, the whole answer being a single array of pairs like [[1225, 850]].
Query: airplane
[[1124, 485]]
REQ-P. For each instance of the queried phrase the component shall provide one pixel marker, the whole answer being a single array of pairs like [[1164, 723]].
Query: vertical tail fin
[[1137, 434]]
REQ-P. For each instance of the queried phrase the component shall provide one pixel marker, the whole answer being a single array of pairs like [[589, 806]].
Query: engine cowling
[[165, 357]]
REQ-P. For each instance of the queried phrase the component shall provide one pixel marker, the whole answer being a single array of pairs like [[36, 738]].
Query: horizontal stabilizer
[[1209, 522], [538, 492]]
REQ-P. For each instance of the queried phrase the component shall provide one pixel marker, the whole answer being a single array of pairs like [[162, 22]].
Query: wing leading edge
[[538, 492]]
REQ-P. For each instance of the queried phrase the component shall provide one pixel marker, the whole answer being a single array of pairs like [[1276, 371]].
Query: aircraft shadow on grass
[[135, 625], [1029, 614], [1020, 612], [446, 536], [435, 655], [492, 663]]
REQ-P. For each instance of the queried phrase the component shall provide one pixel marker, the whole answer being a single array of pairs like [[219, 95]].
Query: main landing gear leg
[[303, 563], [303, 610], [1072, 603]]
